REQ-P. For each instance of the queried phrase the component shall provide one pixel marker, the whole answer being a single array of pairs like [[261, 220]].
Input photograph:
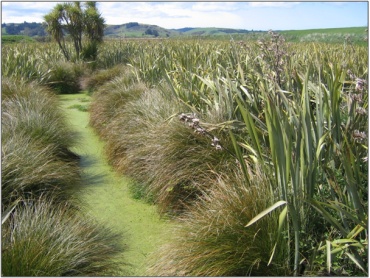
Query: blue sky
[[242, 15]]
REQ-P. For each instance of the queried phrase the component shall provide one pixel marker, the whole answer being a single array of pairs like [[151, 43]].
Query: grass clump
[[64, 77], [45, 239], [110, 99], [35, 144], [34, 110], [79, 107], [211, 238], [147, 141], [29, 168], [101, 77]]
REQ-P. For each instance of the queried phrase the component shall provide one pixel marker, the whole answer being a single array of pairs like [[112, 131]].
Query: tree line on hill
[[39, 29], [25, 28]]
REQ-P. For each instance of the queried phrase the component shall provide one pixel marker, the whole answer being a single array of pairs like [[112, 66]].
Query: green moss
[[107, 196]]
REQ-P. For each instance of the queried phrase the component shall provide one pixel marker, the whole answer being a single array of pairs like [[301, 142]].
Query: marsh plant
[[64, 77], [210, 238], [94, 81], [30, 169], [36, 142], [295, 113], [43, 238], [31, 109], [110, 99], [147, 141]]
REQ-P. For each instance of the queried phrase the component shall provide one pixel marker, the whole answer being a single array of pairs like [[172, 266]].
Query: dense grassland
[[256, 149]]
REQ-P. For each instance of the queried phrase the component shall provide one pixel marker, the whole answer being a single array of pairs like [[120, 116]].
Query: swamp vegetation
[[251, 158]]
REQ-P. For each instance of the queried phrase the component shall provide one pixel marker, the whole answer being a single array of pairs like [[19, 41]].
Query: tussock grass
[[34, 110], [64, 77], [101, 77], [110, 99], [211, 238], [45, 239], [29, 168], [79, 107], [147, 141], [35, 144]]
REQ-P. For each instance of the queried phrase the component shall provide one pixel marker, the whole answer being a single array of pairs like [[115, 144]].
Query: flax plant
[[305, 136], [295, 112]]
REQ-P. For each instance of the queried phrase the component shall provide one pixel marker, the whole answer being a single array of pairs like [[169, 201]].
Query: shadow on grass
[[91, 178]]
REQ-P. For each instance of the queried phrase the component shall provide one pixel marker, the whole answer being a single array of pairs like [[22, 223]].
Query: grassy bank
[[107, 197], [44, 232]]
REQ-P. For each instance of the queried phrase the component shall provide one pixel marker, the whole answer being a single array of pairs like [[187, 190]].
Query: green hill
[[357, 35], [138, 30], [210, 31]]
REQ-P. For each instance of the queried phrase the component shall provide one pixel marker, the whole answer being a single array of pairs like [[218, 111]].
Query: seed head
[[357, 97], [359, 135], [200, 130], [361, 111], [351, 75], [360, 84], [215, 140], [182, 117]]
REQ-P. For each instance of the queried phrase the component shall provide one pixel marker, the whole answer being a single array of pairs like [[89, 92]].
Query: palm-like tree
[[95, 24], [55, 27], [71, 18]]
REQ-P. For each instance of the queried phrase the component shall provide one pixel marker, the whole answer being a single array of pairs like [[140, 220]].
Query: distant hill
[[138, 30], [135, 29], [209, 31], [27, 29], [127, 30], [37, 31]]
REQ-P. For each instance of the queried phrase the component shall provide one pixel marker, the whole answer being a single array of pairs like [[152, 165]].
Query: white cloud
[[214, 6], [241, 15], [171, 14], [17, 12], [263, 4]]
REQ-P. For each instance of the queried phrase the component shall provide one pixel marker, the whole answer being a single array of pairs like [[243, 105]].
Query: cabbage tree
[[84, 25]]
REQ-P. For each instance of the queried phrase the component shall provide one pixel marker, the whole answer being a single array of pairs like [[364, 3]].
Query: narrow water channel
[[106, 196]]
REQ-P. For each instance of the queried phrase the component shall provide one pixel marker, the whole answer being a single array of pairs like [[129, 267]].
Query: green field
[[15, 39], [355, 35]]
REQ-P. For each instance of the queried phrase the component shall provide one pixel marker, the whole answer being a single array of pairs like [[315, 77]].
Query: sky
[[239, 15]]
